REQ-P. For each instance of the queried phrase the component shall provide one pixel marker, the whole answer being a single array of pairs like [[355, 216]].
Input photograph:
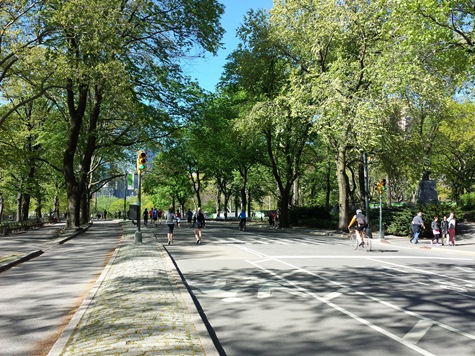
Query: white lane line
[[375, 299], [421, 271], [333, 295], [259, 241], [282, 242], [465, 269], [346, 312], [418, 331]]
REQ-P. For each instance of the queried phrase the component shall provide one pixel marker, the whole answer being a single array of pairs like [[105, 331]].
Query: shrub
[[401, 218], [314, 216], [467, 201]]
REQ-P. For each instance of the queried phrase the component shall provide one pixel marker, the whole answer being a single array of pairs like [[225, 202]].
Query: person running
[[154, 217], [198, 224], [435, 226], [360, 219], [170, 217]]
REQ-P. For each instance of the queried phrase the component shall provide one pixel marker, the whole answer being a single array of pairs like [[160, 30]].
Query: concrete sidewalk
[[464, 244], [138, 306]]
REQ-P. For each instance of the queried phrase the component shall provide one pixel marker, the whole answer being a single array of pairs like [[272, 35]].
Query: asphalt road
[[271, 292], [39, 297]]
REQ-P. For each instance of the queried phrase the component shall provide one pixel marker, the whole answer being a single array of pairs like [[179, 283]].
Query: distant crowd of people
[[105, 214]]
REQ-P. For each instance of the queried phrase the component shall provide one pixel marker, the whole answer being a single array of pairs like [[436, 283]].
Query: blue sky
[[207, 71]]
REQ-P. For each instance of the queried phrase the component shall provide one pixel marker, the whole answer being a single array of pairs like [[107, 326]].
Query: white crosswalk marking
[[418, 331]]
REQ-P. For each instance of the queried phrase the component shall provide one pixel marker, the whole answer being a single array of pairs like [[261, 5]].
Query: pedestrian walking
[[416, 225], [198, 225], [444, 230], [159, 214], [189, 217], [178, 218], [170, 217], [435, 226], [272, 220], [105, 215], [451, 229], [145, 216]]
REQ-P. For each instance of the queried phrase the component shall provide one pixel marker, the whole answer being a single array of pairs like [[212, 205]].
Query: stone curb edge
[[65, 336], [34, 254], [208, 337]]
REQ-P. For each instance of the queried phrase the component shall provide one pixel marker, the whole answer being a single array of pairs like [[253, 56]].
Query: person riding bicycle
[[242, 220], [362, 225]]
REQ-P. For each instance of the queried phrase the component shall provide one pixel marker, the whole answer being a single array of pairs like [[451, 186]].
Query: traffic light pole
[[138, 233], [366, 197]]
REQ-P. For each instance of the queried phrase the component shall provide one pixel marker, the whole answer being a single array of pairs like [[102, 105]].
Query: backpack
[[361, 220]]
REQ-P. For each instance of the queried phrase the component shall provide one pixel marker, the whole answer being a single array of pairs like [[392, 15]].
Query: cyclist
[[362, 225], [242, 220]]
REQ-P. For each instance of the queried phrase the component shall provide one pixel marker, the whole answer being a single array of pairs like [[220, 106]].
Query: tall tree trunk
[[284, 202], [39, 203], [25, 207], [19, 199], [328, 181], [218, 202], [1, 206], [361, 183], [76, 117], [342, 180]]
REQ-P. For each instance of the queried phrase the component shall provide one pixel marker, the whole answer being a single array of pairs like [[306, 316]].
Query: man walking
[[417, 223]]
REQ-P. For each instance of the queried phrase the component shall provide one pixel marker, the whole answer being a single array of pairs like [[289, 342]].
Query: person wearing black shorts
[[170, 224]]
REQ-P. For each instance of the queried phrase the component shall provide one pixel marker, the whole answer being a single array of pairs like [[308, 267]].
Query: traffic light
[[380, 186], [141, 161]]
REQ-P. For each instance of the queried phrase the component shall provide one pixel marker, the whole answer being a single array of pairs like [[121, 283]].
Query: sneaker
[[169, 242], [197, 242]]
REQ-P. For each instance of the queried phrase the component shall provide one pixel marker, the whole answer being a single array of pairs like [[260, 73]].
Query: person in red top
[[159, 214]]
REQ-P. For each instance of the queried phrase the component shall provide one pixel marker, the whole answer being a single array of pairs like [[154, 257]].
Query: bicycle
[[366, 241], [242, 224]]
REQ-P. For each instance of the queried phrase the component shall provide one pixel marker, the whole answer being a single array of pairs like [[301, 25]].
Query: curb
[[22, 259], [65, 336], [209, 339], [34, 254]]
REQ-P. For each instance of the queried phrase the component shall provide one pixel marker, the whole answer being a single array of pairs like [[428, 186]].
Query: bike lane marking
[[350, 314], [418, 331], [340, 309]]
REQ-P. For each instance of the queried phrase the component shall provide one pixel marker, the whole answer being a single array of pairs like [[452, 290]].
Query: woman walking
[[198, 224], [170, 224], [435, 226], [451, 223]]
